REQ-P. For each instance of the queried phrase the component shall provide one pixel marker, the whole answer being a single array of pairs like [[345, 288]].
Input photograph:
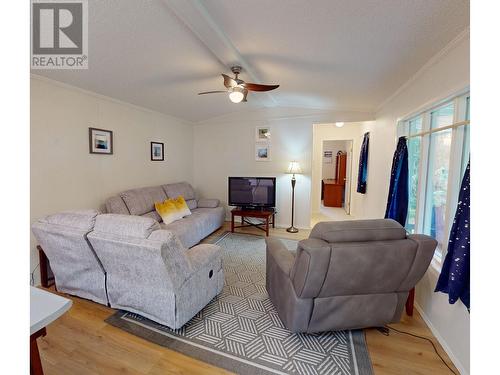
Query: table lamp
[[293, 168]]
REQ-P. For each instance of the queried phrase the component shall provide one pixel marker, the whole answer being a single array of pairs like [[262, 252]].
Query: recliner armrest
[[208, 203], [426, 245], [280, 254], [203, 254], [309, 271]]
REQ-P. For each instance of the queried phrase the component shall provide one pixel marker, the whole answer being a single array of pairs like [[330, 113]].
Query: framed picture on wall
[[100, 141], [262, 151], [157, 151], [263, 133], [327, 157]]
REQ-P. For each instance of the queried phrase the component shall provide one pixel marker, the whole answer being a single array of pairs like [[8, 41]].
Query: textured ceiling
[[325, 54]]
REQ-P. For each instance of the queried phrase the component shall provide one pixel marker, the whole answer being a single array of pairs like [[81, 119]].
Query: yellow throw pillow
[[167, 210], [182, 206], [172, 209]]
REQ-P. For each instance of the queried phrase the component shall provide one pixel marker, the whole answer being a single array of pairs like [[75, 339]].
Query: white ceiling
[[325, 54]]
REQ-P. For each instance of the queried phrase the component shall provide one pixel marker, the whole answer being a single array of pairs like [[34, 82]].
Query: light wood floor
[[80, 342]]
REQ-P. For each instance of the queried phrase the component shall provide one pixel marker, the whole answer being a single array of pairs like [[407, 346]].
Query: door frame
[[348, 188]]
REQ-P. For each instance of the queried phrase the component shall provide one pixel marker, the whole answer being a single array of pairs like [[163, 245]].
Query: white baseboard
[[441, 340]]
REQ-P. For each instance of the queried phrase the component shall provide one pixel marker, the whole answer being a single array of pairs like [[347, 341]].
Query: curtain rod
[[455, 125]]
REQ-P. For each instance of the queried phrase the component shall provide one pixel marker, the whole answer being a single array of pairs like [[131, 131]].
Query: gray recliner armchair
[[150, 272], [346, 275]]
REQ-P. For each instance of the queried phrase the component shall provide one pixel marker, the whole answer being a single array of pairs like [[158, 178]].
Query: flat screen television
[[253, 192]]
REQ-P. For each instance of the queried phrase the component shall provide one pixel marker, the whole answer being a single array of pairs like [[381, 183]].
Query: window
[[438, 153], [437, 186], [414, 149]]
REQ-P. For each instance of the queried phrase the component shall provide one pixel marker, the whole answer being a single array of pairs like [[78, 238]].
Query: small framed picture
[[327, 157], [262, 152], [157, 151], [263, 133], [100, 141]]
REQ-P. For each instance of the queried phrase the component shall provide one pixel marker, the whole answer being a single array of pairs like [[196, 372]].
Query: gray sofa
[[346, 275], [131, 263], [207, 214]]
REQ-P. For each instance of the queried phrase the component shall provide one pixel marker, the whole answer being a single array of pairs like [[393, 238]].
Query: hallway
[[330, 214]]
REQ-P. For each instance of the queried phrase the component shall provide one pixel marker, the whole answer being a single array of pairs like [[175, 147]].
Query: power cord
[[32, 282], [385, 331]]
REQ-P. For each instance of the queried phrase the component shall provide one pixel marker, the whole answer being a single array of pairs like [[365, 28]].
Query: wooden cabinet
[[333, 189]]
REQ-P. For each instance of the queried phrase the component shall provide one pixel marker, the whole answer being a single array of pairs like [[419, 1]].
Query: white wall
[[225, 147], [443, 76], [329, 170], [65, 176]]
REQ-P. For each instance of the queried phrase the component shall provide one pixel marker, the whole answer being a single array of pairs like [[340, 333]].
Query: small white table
[[45, 307]]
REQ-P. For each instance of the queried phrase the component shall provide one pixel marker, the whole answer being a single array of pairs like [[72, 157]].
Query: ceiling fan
[[237, 88]]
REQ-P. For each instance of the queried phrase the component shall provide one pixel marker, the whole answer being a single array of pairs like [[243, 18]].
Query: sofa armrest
[[280, 255], [203, 254], [208, 203]]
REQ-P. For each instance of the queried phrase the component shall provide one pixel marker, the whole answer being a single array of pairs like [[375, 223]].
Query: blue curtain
[[363, 165], [397, 201], [455, 274]]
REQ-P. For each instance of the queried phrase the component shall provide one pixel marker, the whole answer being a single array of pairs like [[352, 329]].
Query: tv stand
[[265, 213], [254, 208]]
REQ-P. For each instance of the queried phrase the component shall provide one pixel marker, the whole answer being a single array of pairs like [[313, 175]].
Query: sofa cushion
[[184, 189], [358, 230], [192, 203], [180, 188], [153, 215], [186, 230], [116, 205], [208, 203], [83, 220], [126, 225], [193, 228], [142, 200]]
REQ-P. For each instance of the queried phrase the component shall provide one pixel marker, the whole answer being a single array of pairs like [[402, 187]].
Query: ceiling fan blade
[[211, 92], [258, 87], [229, 82]]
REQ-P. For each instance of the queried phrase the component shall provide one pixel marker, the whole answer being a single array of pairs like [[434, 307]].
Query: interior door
[[347, 191]]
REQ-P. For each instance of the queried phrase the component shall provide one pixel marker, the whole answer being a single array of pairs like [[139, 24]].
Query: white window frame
[[455, 163]]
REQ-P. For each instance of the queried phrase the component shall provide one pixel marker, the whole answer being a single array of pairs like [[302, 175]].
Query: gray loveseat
[[131, 263], [346, 275], [207, 214]]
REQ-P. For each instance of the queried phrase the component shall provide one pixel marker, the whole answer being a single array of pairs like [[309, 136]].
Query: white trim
[[433, 60], [437, 102], [460, 367]]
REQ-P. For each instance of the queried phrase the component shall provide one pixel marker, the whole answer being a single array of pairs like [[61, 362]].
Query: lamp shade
[[294, 168], [236, 95]]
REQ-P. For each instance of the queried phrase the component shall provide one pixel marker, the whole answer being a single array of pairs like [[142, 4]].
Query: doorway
[[336, 180]]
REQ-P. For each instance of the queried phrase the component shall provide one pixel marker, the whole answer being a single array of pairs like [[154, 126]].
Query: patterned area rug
[[240, 330]]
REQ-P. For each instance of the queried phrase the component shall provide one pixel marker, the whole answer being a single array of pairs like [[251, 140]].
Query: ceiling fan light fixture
[[236, 95]]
